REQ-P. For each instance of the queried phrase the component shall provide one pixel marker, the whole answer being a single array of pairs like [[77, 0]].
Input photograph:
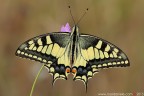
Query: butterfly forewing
[[102, 53], [49, 49]]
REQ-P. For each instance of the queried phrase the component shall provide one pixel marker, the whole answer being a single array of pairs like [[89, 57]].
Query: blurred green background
[[121, 22]]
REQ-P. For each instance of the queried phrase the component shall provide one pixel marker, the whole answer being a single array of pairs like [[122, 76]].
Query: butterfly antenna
[[68, 2], [82, 16], [71, 14]]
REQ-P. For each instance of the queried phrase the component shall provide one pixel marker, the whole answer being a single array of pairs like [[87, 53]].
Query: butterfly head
[[75, 30]]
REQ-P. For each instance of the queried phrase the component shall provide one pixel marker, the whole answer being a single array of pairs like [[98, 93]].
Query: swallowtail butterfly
[[73, 52], [82, 55]]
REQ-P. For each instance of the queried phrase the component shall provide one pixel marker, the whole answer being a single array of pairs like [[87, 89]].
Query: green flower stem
[[33, 86]]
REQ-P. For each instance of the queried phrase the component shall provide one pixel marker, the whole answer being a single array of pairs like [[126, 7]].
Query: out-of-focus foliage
[[118, 21]]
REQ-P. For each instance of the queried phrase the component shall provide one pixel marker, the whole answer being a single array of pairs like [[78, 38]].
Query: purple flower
[[66, 28]]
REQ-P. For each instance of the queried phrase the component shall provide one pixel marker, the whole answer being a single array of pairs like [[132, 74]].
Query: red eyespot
[[68, 70], [74, 70]]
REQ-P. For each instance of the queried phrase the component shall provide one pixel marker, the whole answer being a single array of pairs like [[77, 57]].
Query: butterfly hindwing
[[49, 49], [96, 53]]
